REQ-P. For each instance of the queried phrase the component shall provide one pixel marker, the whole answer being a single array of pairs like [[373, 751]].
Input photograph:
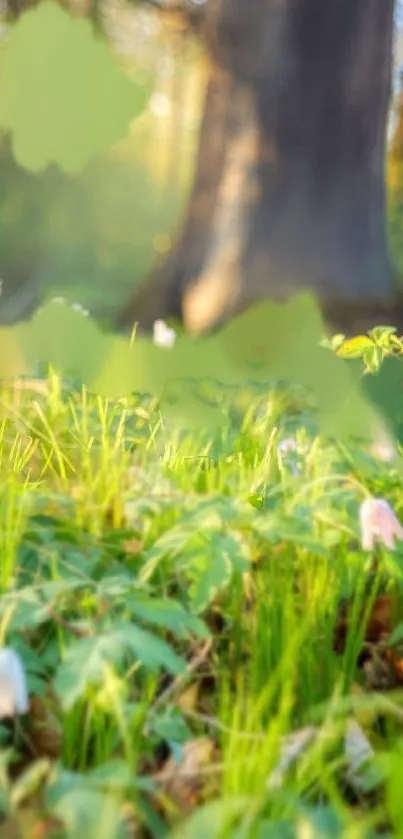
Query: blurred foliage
[[62, 96], [92, 237], [395, 189], [269, 342]]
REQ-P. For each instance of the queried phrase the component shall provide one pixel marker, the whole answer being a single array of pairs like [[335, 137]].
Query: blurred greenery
[[395, 184], [93, 237], [90, 238], [61, 94]]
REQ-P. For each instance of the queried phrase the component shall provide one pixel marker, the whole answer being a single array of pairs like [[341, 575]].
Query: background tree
[[395, 184], [289, 189]]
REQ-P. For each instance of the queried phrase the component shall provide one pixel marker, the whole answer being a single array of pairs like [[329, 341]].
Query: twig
[[220, 726], [193, 665], [79, 633]]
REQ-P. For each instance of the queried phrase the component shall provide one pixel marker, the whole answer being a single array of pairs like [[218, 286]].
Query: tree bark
[[289, 188]]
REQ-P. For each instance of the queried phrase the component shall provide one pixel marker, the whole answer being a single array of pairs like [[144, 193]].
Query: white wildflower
[[383, 446], [163, 335], [79, 308], [288, 450], [378, 523], [288, 445], [13, 686], [58, 300], [383, 450]]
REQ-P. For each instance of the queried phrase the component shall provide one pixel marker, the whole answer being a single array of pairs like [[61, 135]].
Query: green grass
[[164, 586]]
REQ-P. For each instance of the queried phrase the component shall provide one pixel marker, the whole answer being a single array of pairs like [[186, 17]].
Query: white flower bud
[[378, 523], [163, 335], [13, 686]]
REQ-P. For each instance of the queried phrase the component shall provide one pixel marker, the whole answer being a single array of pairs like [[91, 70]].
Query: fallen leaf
[[381, 620], [131, 823], [383, 667], [380, 623], [183, 782], [45, 731], [187, 700], [132, 547]]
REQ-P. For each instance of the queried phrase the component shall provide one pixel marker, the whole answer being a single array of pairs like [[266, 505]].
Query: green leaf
[[86, 812], [336, 341], [30, 781], [154, 653], [211, 568], [28, 607], [289, 529], [373, 358], [325, 822], [168, 614], [396, 637], [171, 726], [208, 574], [84, 665], [234, 547], [23, 610], [172, 542], [381, 334], [218, 510], [214, 820], [281, 829], [115, 774], [332, 343], [355, 347], [85, 661], [116, 586]]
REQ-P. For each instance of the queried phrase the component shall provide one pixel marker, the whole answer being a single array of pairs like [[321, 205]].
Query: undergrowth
[[187, 603]]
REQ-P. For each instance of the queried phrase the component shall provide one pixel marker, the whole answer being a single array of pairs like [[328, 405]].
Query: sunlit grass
[[121, 533]]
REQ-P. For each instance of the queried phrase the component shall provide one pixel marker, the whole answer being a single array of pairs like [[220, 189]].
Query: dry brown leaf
[[27, 823], [11, 829], [45, 828], [132, 547], [131, 824], [44, 729], [383, 667], [396, 662], [382, 618], [183, 782], [187, 700], [380, 623]]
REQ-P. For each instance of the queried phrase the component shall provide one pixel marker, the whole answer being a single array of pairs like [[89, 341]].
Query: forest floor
[[208, 649]]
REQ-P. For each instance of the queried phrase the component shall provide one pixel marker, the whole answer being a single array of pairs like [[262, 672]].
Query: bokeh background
[[93, 237]]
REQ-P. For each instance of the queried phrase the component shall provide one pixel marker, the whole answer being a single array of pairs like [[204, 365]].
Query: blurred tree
[[289, 187], [395, 184]]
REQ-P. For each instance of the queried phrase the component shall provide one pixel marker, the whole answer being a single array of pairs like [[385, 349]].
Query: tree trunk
[[289, 189]]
